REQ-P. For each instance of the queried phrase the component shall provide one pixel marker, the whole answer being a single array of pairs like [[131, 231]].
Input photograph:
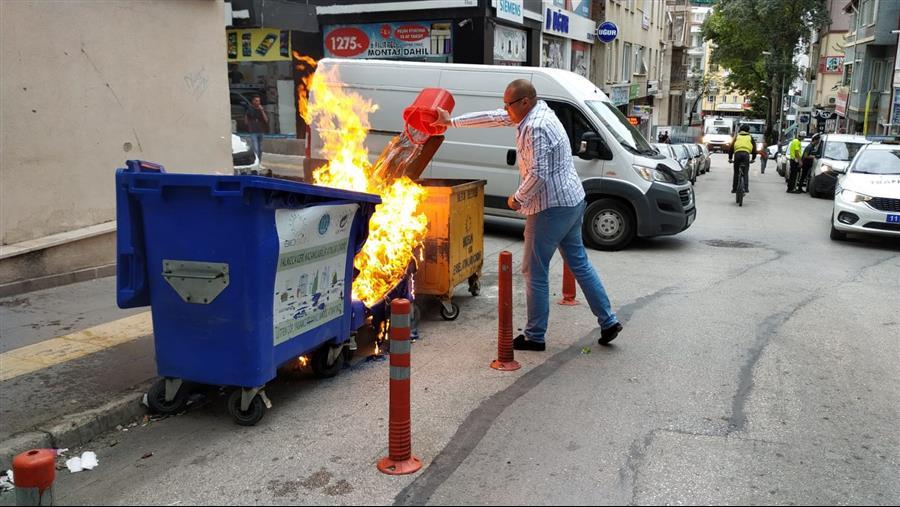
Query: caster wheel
[[156, 398], [474, 285], [249, 417], [452, 314], [320, 366]]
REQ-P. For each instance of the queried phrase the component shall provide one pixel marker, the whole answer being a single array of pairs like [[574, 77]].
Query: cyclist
[[740, 154]]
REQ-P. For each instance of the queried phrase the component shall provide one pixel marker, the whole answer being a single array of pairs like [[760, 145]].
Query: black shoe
[[732, 191], [609, 334], [522, 343]]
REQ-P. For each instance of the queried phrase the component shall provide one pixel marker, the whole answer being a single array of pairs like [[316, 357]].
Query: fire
[[398, 225]]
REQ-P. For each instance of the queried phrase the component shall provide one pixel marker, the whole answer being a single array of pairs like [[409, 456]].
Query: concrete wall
[[88, 84]]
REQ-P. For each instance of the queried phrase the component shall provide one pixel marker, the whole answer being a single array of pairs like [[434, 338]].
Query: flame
[[398, 225], [302, 361]]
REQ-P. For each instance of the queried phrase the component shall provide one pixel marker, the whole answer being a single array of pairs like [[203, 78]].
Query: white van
[[631, 189]]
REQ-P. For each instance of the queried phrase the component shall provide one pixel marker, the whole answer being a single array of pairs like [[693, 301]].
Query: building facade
[[78, 101], [868, 78]]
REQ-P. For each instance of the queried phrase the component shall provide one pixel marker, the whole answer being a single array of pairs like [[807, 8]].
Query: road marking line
[[65, 348]]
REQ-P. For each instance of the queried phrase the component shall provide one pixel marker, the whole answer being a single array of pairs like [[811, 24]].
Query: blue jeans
[[545, 232], [257, 141]]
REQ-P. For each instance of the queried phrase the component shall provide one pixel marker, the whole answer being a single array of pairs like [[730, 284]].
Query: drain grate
[[723, 243]]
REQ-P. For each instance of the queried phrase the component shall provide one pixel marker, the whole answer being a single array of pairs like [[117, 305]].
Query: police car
[[867, 196]]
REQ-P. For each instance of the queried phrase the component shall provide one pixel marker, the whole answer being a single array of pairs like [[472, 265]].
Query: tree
[[743, 29], [701, 86]]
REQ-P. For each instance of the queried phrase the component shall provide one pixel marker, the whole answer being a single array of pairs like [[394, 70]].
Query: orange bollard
[[568, 287], [505, 355], [400, 460], [34, 472]]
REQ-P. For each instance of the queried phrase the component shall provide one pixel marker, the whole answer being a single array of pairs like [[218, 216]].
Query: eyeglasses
[[507, 105]]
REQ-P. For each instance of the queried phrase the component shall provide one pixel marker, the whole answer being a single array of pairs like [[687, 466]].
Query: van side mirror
[[593, 147]]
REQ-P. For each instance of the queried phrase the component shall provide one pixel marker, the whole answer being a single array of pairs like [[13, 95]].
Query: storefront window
[[259, 64], [580, 58], [510, 46], [553, 53]]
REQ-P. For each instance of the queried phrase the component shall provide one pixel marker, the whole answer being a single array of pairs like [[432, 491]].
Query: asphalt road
[[758, 365]]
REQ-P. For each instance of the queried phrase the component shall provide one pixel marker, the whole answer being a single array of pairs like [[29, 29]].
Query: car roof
[[880, 146], [847, 138]]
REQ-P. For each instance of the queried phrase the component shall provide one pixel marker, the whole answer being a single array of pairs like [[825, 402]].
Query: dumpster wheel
[[474, 285], [327, 362], [449, 310], [156, 398], [252, 415]]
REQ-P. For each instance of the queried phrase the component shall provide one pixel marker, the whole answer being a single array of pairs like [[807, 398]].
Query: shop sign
[[634, 120], [258, 45], [607, 32], [426, 39], [634, 91], [831, 65], [619, 95], [643, 112], [510, 45], [840, 105], [568, 24], [511, 10], [822, 114], [652, 87]]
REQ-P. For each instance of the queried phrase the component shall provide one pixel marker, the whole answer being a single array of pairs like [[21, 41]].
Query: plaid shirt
[[545, 157]]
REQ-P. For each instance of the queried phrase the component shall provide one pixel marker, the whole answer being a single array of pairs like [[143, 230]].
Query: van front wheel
[[608, 225]]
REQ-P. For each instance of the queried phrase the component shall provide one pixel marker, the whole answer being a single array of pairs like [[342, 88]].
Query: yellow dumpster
[[454, 246]]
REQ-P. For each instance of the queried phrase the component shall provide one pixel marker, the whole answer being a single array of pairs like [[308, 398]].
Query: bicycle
[[739, 191]]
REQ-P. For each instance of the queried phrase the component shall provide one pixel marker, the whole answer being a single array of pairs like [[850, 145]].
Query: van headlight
[[652, 174], [705, 140], [852, 196]]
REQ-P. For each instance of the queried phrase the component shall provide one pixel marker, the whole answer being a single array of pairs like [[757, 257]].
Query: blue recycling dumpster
[[242, 274]]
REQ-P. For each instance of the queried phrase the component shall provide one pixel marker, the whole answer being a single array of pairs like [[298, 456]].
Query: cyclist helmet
[[744, 128]]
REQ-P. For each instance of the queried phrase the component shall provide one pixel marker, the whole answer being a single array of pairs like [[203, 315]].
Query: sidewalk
[[71, 365]]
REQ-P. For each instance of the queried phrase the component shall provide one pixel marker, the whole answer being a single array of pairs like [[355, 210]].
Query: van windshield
[[718, 130], [755, 128], [625, 133]]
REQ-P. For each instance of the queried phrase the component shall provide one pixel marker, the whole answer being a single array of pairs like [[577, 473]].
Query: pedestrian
[[664, 137], [763, 157], [794, 153], [807, 160], [257, 123], [551, 197]]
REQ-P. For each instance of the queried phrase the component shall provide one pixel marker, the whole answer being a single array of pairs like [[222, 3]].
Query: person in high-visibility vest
[[742, 149], [794, 152]]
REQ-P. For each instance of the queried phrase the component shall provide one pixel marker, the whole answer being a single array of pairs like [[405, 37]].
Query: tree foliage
[[742, 29]]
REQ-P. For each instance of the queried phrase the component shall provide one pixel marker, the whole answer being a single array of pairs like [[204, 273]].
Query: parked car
[[867, 197], [666, 150], [836, 151], [686, 160], [707, 158], [697, 158], [243, 157]]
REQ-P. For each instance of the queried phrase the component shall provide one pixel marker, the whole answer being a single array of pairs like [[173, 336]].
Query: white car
[[243, 157], [867, 197]]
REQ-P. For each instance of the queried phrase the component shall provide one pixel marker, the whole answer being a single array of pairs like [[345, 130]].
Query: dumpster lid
[[228, 184]]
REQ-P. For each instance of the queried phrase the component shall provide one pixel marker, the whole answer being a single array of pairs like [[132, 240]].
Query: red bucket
[[423, 112]]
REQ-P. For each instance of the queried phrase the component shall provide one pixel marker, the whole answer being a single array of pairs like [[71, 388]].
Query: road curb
[[77, 429]]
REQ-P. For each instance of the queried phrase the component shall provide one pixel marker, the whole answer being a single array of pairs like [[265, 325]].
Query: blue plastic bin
[[242, 273]]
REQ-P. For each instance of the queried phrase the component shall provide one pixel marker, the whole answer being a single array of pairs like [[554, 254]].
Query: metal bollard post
[[34, 472], [400, 460], [505, 355], [568, 288]]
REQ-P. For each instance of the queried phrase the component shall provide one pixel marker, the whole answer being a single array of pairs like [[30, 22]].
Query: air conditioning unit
[[832, 101]]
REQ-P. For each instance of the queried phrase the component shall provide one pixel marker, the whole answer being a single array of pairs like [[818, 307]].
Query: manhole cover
[[722, 243]]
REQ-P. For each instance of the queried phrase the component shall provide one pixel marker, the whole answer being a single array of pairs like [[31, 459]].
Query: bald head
[[522, 88]]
